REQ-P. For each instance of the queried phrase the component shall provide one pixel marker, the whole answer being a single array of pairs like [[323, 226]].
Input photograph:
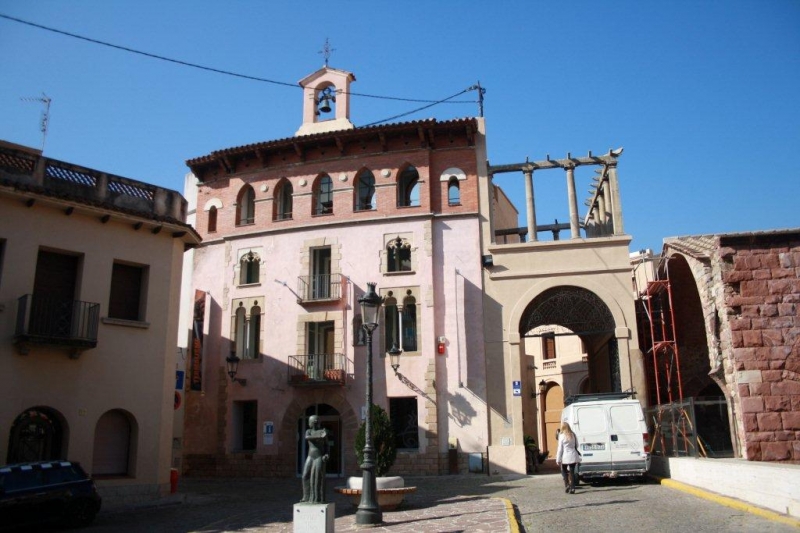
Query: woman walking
[[568, 456]]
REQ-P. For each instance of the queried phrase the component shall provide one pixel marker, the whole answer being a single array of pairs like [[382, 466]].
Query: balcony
[[42, 319], [317, 370], [319, 288]]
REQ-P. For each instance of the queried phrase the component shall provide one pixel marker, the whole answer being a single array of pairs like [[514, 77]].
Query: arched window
[[212, 219], [37, 435], [112, 444], [283, 200], [453, 192], [246, 331], [398, 255], [249, 268], [365, 191], [392, 320], [246, 206], [323, 196], [409, 323], [408, 188]]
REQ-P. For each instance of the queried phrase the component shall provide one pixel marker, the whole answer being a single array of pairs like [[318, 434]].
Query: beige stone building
[[578, 286], [90, 268]]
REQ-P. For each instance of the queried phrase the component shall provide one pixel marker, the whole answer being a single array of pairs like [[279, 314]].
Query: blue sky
[[704, 96]]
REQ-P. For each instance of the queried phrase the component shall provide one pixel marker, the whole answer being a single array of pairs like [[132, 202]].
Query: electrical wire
[[418, 109], [225, 72]]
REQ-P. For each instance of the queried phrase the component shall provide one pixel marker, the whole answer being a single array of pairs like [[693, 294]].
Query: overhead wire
[[221, 71]]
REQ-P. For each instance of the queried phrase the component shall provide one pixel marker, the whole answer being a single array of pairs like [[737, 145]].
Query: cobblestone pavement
[[446, 504]]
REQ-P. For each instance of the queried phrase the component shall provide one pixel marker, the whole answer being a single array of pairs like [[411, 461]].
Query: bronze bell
[[324, 104]]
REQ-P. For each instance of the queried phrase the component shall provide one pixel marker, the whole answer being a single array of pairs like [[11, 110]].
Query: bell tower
[[326, 92]]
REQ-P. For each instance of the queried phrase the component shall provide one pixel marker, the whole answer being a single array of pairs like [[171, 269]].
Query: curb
[[728, 502], [513, 525]]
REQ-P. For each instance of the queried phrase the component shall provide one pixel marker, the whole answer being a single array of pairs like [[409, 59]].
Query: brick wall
[[762, 295]]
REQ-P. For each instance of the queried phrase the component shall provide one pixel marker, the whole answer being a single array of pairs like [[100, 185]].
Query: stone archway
[[586, 315]]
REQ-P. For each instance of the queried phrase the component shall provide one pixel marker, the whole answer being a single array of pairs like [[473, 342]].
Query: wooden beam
[[156, 230], [178, 234], [299, 150], [29, 202], [554, 163], [137, 226], [68, 211], [105, 218]]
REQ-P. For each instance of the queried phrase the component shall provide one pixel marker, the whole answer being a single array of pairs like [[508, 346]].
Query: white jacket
[[567, 453]]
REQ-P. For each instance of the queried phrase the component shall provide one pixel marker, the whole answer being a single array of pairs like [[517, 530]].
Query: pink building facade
[[293, 231]]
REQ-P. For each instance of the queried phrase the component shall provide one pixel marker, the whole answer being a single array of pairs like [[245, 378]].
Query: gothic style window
[[408, 188], [246, 206], [323, 196], [246, 335], [283, 200], [400, 319], [398, 255], [249, 268], [408, 324], [212, 219], [365, 191], [453, 192]]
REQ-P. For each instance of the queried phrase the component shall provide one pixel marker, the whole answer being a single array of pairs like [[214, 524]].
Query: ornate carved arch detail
[[574, 308]]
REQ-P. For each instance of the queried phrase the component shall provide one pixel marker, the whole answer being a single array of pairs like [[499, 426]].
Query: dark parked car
[[47, 491]]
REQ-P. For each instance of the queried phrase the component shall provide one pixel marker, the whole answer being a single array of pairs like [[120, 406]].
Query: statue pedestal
[[313, 517]]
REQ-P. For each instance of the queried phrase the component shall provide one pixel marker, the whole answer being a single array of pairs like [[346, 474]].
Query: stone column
[[616, 204], [530, 205], [573, 204]]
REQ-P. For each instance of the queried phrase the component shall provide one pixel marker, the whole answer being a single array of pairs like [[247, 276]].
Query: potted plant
[[391, 490]]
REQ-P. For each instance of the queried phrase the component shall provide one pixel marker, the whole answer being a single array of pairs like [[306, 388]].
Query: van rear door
[[592, 431], [627, 421]]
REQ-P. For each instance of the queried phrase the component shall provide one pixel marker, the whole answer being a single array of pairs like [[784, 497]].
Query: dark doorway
[[53, 294], [329, 419]]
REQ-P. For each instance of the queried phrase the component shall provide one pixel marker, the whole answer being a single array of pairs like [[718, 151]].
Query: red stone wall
[[762, 287]]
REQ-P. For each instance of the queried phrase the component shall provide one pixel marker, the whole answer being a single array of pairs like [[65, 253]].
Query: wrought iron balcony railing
[[317, 370], [318, 288], [42, 319]]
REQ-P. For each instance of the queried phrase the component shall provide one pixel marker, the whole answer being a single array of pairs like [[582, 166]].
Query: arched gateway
[[585, 315]]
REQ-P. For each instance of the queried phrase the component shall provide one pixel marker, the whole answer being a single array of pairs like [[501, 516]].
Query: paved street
[[444, 504]]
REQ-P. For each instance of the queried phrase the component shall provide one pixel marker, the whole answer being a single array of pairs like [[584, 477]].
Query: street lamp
[[232, 362], [394, 357], [369, 512]]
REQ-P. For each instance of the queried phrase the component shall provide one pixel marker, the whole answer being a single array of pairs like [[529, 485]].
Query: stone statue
[[314, 469]]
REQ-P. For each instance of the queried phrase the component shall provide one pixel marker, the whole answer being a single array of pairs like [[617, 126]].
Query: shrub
[[382, 441]]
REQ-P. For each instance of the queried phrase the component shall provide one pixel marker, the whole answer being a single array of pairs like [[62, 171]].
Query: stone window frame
[[257, 252], [248, 304], [406, 237], [400, 293]]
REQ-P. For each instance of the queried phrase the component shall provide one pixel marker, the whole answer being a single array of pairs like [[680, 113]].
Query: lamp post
[[369, 512]]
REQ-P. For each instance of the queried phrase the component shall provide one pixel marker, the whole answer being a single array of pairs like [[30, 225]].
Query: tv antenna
[[44, 99]]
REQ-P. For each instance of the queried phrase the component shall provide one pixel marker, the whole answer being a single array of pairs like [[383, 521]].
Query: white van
[[612, 434]]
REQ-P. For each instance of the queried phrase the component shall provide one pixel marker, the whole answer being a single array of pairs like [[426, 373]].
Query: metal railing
[[319, 287], [317, 369], [44, 319]]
